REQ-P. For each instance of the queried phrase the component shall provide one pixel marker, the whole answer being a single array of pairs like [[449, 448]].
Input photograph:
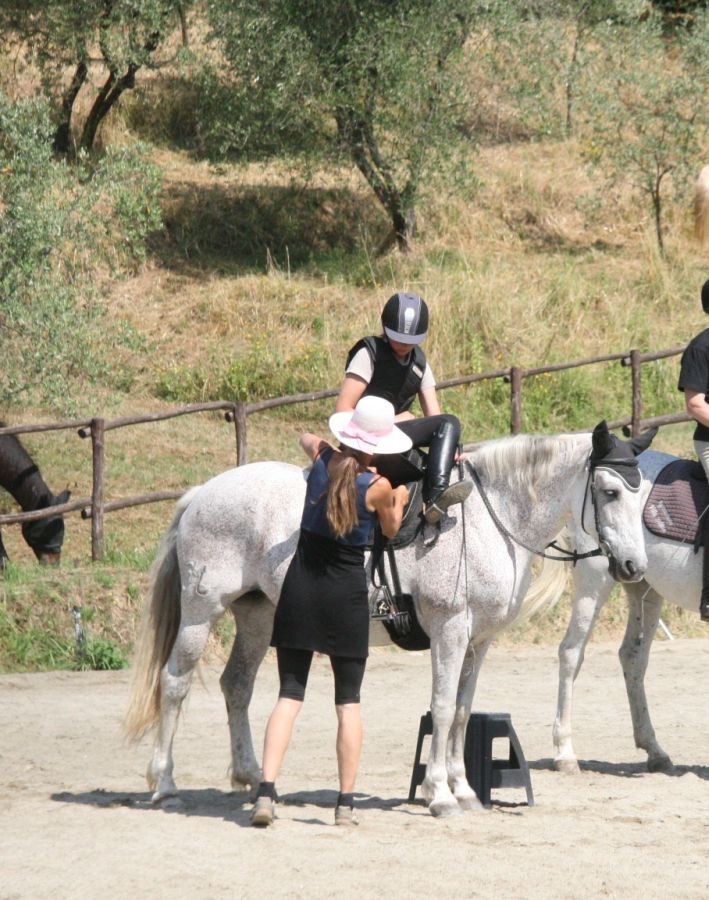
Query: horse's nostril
[[630, 567]]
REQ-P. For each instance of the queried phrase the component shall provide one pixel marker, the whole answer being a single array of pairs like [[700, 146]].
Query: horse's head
[[615, 481], [46, 536]]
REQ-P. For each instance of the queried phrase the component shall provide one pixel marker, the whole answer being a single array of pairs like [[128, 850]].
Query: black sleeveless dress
[[323, 604]]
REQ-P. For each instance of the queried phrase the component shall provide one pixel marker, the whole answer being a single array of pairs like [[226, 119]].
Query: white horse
[[231, 540], [674, 572]]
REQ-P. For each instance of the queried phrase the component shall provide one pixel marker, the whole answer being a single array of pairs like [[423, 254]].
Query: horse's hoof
[[567, 766], [49, 559], [469, 803], [167, 802], [660, 764], [442, 809]]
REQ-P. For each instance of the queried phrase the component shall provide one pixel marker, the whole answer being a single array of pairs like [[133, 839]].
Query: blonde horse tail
[[544, 593], [547, 588], [701, 208], [158, 631]]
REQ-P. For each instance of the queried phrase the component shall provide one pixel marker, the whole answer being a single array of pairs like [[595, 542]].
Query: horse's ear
[[602, 441], [642, 441]]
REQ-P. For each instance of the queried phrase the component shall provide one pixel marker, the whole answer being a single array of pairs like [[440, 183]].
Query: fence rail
[[237, 412]]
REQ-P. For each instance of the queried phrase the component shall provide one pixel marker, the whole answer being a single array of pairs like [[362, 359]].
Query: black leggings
[[294, 667]]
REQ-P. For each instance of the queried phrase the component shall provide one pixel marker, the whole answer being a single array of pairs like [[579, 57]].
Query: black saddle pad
[[678, 497]]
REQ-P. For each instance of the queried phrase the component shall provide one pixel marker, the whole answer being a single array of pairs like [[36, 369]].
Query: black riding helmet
[[705, 297], [405, 318]]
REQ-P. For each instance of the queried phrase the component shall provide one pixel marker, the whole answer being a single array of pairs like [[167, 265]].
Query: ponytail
[[342, 512]]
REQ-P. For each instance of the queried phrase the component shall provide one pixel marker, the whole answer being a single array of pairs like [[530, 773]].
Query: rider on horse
[[394, 366], [694, 381]]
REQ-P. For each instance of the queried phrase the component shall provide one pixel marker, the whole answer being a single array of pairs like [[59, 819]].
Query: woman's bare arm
[[313, 444], [388, 503]]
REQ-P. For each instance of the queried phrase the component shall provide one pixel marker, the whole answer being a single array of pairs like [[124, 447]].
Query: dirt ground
[[76, 823]]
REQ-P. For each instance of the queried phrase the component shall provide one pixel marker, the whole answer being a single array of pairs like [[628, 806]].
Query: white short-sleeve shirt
[[361, 364]]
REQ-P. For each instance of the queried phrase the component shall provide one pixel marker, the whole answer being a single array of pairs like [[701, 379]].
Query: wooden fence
[[96, 506]]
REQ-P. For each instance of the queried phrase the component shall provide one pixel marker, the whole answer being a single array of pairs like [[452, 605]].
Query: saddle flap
[[400, 468]]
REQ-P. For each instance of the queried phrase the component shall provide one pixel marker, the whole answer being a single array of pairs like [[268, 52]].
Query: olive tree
[[646, 108], [373, 81], [58, 222], [94, 47]]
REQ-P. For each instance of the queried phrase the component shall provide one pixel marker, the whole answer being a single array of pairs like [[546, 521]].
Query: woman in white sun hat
[[323, 605]]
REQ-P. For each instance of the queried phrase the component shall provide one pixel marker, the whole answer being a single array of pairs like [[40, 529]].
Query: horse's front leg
[[449, 640], [254, 624], [457, 779], [645, 606], [592, 585]]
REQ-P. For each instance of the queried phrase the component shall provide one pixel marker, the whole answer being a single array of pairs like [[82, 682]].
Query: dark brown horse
[[20, 475]]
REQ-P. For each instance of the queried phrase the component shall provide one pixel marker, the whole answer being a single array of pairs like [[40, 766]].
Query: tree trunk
[[62, 136], [657, 207], [570, 86], [109, 94]]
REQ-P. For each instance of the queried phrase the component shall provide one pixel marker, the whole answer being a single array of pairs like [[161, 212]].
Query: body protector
[[397, 383]]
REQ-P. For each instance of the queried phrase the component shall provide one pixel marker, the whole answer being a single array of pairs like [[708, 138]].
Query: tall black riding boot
[[437, 494], [704, 600]]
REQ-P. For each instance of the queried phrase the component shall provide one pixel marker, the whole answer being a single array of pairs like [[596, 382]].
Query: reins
[[572, 556]]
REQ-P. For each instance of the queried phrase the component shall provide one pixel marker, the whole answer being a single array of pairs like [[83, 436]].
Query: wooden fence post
[[637, 400], [97, 493], [240, 427], [515, 399]]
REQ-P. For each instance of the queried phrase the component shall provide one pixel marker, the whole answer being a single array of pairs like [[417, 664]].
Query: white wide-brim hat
[[370, 428]]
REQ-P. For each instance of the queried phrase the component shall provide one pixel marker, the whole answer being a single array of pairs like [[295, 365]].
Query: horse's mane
[[524, 461]]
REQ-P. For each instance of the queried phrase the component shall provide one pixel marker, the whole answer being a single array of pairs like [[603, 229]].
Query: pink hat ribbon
[[368, 437]]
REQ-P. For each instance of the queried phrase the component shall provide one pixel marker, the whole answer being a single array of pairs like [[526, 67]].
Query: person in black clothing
[[394, 366], [694, 381], [323, 606]]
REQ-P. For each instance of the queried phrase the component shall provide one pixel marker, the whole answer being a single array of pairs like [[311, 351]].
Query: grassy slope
[[527, 271]]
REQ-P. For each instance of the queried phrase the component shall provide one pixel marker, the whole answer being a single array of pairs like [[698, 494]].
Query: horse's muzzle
[[627, 571]]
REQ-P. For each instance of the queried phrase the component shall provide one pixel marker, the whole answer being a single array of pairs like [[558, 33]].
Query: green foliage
[[70, 36], [99, 654], [259, 374], [646, 109], [59, 221], [375, 82]]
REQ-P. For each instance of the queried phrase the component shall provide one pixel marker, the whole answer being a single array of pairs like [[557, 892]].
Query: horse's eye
[[611, 494]]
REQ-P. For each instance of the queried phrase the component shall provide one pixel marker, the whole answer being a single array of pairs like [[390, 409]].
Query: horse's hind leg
[[645, 606], [175, 681], [254, 623]]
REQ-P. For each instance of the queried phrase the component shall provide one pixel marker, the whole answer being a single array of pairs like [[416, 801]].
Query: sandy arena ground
[[75, 820]]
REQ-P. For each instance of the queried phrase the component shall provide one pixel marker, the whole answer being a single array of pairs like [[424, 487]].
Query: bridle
[[616, 465]]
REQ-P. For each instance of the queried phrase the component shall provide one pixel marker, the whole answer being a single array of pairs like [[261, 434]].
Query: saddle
[[394, 608], [677, 499]]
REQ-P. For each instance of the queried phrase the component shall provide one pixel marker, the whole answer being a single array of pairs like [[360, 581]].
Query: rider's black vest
[[397, 383]]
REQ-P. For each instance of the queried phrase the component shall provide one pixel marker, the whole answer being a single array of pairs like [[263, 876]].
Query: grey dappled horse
[[231, 540], [20, 476], [674, 572]]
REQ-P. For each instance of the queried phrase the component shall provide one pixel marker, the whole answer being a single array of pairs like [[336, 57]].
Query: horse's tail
[[546, 589], [158, 631], [701, 207]]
